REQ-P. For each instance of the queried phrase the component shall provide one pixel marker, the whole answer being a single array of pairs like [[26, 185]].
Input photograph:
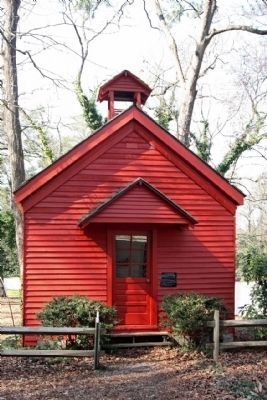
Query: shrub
[[77, 311], [251, 311], [187, 314], [11, 342], [49, 344], [253, 266]]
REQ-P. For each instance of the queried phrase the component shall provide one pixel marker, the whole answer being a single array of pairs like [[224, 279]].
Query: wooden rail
[[43, 330], [216, 324]]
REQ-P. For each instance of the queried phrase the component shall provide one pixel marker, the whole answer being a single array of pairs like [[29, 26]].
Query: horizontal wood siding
[[62, 259], [126, 84], [202, 259]]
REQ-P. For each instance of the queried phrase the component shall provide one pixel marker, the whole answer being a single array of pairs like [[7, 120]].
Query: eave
[[190, 160]]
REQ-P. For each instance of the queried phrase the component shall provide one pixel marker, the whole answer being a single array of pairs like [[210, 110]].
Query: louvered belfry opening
[[123, 88]]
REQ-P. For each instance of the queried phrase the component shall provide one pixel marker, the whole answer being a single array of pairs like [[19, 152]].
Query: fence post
[[216, 336], [97, 341]]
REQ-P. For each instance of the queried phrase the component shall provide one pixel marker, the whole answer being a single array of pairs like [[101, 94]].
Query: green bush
[[77, 311], [11, 342], [253, 266], [49, 344], [8, 251], [251, 311], [187, 314]]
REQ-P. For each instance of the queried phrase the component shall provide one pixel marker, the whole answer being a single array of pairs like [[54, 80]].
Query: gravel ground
[[137, 374]]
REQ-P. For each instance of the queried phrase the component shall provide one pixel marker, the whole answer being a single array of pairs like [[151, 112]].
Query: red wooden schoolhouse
[[126, 217]]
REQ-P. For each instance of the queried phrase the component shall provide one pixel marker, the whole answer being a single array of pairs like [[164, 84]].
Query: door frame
[[153, 269]]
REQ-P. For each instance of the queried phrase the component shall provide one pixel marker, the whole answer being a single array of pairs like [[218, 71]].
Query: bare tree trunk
[[190, 92], [11, 121]]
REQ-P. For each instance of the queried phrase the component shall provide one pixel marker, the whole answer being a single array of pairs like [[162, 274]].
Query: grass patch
[[14, 293]]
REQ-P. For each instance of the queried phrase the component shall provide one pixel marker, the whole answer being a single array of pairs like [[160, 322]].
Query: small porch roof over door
[[138, 202]]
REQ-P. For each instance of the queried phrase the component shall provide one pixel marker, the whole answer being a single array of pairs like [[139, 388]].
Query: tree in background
[[169, 14], [193, 63], [8, 249], [253, 265], [11, 120], [81, 23], [252, 249]]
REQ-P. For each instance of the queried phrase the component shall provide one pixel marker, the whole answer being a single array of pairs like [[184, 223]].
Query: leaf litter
[[137, 374]]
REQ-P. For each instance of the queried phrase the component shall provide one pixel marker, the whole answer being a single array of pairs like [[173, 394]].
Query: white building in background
[[12, 283], [242, 295]]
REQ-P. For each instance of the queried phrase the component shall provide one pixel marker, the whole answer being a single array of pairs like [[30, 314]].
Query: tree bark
[[190, 91], [11, 120]]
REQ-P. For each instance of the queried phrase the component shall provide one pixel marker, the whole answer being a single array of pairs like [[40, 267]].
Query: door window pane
[[139, 257], [131, 255], [123, 248], [123, 241], [122, 271], [138, 271]]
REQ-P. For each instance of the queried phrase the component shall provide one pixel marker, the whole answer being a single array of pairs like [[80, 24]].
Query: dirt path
[[147, 374]]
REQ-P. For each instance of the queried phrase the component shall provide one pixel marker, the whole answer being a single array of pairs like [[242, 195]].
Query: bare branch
[[27, 53], [4, 36], [172, 40], [211, 66], [148, 16], [244, 28], [190, 4]]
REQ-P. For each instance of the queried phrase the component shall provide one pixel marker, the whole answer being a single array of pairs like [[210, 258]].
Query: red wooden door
[[132, 279]]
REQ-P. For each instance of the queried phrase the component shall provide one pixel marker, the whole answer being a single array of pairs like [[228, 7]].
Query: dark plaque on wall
[[168, 279]]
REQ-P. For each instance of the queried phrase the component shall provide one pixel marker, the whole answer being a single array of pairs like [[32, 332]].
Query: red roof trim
[[83, 222], [133, 113], [69, 158]]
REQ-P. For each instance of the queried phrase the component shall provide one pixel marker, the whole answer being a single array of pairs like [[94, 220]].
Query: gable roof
[[153, 207], [172, 147]]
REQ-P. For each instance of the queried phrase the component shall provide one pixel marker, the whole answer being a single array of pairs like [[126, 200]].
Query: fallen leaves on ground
[[137, 374]]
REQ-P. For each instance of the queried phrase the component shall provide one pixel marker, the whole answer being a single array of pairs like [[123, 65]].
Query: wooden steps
[[138, 339]]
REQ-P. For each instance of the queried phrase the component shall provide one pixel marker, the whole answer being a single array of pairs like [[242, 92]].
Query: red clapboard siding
[[210, 267], [140, 205], [62, 259]]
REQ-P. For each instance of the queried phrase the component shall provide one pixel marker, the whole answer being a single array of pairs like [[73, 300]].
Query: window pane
[[123, 248], [123, 241], [139, 257], [131, 256], [138, 271], [139, 242], [122, 256], [139, 249], [122, 271]]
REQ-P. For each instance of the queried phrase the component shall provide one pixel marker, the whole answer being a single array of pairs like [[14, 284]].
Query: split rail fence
[[217, 324], [53, 331]]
